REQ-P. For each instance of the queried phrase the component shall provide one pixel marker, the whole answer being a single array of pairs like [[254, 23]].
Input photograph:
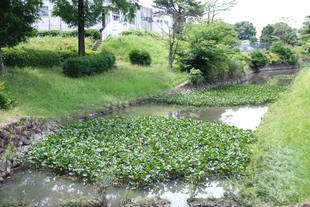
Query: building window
[[44, 11], [116, 17], [147, 19]]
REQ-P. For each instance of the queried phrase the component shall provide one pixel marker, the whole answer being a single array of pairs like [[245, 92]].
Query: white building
[[145, 19]]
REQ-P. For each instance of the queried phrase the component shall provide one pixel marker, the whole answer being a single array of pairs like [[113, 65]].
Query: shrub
[[235, 67], [88, 65], [196, 76], [273, 58], [258, 60], [306, 48], [207, 56], [140, 57], [38, 58], [7, 101], [286, 54]]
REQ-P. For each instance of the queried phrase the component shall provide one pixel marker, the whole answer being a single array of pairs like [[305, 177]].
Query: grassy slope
[[46, 92], [55, 43], [280, 167]]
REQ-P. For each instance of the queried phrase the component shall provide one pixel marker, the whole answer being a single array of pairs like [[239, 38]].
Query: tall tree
[[16, 19], [86, 13], [215, 7], [179, 11], [305, 30], [279, 32], [245, 30]]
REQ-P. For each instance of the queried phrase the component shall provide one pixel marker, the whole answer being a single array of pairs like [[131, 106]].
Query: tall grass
[[279, 173], [55, 43], [122, 45]]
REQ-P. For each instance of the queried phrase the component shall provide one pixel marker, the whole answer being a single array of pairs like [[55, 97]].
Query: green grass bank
[[280, 165], [47, 92]]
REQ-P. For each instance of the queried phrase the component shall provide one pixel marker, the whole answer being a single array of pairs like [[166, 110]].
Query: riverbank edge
[[26, 131]]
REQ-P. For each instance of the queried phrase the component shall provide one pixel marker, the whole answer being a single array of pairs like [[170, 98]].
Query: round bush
[[196, 76], [77, 67], [258, 60], [140, 57], [286, 54]]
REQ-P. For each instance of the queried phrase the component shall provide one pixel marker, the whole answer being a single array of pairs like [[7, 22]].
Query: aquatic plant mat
[[226, 95], [142, 150]]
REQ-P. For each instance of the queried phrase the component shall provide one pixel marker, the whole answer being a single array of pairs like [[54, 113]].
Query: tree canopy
[[16, 19], [86, 13], [279, 32], [245, 30], [179, 11]]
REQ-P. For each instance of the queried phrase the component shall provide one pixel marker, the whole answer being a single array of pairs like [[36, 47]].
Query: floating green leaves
[[142, 150], [226, 95]]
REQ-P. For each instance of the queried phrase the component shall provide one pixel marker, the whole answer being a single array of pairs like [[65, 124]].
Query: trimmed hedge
[[140, 57], [37, 58], [92, 33], [77, 67]]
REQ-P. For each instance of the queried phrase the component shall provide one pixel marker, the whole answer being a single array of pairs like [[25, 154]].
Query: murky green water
[[43, 188]]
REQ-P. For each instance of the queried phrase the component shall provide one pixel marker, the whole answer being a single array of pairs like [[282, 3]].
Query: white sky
[[263, 12]]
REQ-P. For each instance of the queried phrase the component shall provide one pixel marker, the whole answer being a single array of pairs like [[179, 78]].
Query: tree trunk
[[170, 56], [81, 30], [1, 62]]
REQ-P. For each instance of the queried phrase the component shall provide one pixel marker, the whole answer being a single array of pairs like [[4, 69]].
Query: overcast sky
[[263, 12]]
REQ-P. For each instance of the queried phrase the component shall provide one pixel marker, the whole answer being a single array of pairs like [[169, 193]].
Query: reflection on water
[[281, 78], [42, 188], [245, 117]]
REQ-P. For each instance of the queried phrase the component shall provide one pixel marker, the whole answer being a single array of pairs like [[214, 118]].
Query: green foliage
[[219, 32], [267, 35], [306, 48], [280, 161], [28, 57], [195, 76], [91, 33], [279, 32], [1, 86], [305, 30], [207, 49], [122, 45], [246, 30], [69, 10], [258, 59], [226, 95], [16, 20], [287, 54], [7, 101], [44, 52], [138, 152], [273, 59], [77, 67], [140, 57], [66, 98]]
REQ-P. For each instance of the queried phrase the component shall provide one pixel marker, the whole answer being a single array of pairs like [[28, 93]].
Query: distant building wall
[[145, 19]]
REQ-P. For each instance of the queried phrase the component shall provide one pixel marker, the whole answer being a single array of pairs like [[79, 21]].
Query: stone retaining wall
[[16, 138]]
